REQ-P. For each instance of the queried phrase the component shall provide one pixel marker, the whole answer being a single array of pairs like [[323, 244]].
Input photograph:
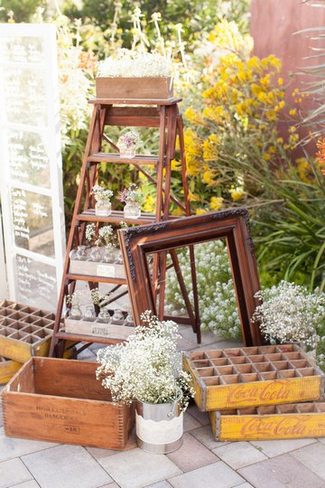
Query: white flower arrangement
[[102, 194], [289, 313], [128, 63], [106, 235], [217, 301], [147, 367], [132, 194]]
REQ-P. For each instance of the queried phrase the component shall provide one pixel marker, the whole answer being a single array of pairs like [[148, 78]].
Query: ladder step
[[96, 279], [86, 338], [115, 218], [115, 158]]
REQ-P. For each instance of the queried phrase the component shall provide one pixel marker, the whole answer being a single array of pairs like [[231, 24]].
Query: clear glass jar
[[132, 210], [89, 314], [95, 254], [104, 316], [75, 313], [80, 254], [127, 152], [109, 254], [103, 208], [118, 257], [118, 316]]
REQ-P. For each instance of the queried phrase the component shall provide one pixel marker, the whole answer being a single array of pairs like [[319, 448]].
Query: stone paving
[[199, 463]]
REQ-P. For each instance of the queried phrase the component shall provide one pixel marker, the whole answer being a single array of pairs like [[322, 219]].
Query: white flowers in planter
[[130, 63], [289, 313], [147, 367]]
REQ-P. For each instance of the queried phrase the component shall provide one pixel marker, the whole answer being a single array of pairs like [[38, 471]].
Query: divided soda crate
[[24, 331], [288, 421], [253, 377], [60, 400]]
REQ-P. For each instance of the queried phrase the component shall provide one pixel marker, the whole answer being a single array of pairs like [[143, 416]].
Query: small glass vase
[[95, 254], [89, 314], [104, 316], [109, 254], [103, 208], [80, 254], [127, 152], [75, 313], [118, 317], [132, 210]]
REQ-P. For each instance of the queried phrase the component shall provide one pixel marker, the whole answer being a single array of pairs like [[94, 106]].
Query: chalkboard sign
[[30, 164]]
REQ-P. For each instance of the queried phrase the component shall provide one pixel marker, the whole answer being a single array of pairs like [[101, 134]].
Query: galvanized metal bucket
[[159, 426]]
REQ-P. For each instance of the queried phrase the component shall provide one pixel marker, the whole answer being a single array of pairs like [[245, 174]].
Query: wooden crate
[[60, 400], [160, 88], [98, 329], [24, 331], [288, 421], [8, 368], [108, 270], [253, 376]]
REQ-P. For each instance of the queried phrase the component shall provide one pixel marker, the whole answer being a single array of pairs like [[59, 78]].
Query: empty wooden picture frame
[[232, 225]]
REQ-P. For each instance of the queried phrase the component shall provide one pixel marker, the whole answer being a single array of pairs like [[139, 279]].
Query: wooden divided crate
[[288, 421], [60, 400], [24, 331], [253, 376], [98, 329]]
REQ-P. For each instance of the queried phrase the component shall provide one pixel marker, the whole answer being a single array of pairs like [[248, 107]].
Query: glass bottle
[[89, 314], [118, 317], [132, 210], [75, 313], [109, 254], [104, 316], [81, 253], [103, 208], [95, 254]]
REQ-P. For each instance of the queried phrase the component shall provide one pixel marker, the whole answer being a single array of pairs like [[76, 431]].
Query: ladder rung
[[135, 101], [115, 158], [96, 279], [86, 338], [115, 218]]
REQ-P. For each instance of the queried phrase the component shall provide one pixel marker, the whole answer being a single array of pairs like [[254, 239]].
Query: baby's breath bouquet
[[147, 367], [289, 313]]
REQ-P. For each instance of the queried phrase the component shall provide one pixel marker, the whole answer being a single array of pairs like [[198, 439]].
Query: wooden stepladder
[[160, 114]]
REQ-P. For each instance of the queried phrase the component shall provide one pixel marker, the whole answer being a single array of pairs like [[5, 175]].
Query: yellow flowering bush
[[236, 122]]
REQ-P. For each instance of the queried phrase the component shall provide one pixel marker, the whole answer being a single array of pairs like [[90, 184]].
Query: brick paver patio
[[199, 463]]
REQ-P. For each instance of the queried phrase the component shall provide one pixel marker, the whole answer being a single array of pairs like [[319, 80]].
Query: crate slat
[[302, 420]]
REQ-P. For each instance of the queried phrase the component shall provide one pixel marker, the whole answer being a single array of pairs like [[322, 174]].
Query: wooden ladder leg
[[94, 128], [197, 323], [159, 197]]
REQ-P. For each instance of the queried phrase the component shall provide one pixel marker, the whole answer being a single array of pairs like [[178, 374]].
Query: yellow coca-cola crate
[[253, 376], [289, 421]]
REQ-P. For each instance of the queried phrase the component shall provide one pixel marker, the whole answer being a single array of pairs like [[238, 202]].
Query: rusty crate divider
[[286, 421], [238, 377]]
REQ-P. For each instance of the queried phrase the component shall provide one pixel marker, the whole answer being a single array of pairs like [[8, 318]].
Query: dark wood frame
[[231, 224]]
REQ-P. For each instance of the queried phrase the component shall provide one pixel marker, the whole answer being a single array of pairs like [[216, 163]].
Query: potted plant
[[147, 369], [132, 198], [128, 143], [103, 207], [289, 313], [118, 76]]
